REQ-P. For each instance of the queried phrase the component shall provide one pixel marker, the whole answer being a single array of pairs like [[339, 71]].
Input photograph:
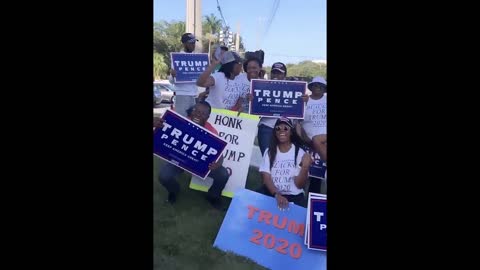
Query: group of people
[[286, 145]]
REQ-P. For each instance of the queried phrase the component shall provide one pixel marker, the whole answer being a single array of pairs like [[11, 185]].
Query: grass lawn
[[183, 234]]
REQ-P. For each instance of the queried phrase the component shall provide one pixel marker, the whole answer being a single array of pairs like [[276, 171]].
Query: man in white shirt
[[185, 93]]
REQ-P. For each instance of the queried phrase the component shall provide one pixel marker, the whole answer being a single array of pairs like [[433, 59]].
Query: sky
[[296, 33]]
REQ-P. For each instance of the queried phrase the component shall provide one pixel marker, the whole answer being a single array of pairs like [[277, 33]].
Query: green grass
[[183, 233]]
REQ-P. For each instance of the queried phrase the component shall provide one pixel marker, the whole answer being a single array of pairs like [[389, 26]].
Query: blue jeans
[[169, 173], [264, 136]]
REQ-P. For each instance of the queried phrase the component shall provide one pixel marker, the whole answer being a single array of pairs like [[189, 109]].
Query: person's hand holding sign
[[157, 123], [282, 202], [249, 97], [173, 72], [305, 98], [306, 160], [215, 165]]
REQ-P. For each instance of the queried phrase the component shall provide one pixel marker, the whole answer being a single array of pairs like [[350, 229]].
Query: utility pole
[[261, 21], [193, 21], [237, 40]]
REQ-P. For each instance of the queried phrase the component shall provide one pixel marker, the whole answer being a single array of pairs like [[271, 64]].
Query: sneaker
[[172, 197]]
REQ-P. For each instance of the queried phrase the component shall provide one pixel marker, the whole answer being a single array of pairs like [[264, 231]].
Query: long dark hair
[[295, 139], [227, 69]]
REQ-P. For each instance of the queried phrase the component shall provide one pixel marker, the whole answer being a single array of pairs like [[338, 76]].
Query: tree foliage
[[160, 69], [304, 70], [167, 36]]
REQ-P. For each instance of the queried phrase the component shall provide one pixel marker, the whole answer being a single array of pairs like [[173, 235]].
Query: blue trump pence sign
[[186, 144], [317, 232], [274, 98], [189, 66]]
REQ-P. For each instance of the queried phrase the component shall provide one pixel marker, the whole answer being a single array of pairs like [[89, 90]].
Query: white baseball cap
[[317, 79]]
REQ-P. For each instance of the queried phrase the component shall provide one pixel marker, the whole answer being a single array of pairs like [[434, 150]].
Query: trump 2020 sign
[[274, 98], [254, 227], [186, 144]]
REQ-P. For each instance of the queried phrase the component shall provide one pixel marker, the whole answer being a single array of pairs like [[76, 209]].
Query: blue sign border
[[172, 65], [220, 153], [276, 115], [310, 238], [236, 225]]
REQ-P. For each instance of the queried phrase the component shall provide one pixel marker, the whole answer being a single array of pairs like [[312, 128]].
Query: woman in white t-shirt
[[314, 124], [285, 166], [224, 91], [253, 70]]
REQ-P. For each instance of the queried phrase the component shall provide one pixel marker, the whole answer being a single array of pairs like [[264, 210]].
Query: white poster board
[[239, 132]]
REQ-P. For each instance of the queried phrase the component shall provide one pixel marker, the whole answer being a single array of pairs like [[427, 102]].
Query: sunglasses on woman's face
[[284, 128]]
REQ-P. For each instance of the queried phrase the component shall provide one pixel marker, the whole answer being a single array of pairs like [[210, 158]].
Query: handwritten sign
[[186, 144], [189, 66], [239, 133], [254, 227], [273, 98]]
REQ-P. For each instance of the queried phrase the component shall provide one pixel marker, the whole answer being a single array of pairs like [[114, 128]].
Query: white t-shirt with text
[[315, 121], [225, 92], [284, 170], [244, 84]]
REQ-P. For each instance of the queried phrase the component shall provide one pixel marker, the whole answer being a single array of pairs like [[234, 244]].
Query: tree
[[167, 38], [305, 70], [212, 24], [211, 27], [160, 69]]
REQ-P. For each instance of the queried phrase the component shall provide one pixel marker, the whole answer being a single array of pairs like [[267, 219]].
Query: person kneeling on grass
[[285, 165], [169, 172]]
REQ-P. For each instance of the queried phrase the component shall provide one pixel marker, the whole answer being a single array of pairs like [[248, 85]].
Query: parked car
[[163, 93]]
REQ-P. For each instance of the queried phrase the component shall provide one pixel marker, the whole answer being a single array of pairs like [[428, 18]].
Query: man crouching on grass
[[169, 172]]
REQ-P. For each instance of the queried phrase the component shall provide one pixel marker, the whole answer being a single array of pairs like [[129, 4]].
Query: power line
[[296, 56], [221, 14], [276, 4]]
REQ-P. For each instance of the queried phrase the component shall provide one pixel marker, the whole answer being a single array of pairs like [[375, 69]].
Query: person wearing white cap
[[224, 91], [185, 93], [313, 128], [314, 123]]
